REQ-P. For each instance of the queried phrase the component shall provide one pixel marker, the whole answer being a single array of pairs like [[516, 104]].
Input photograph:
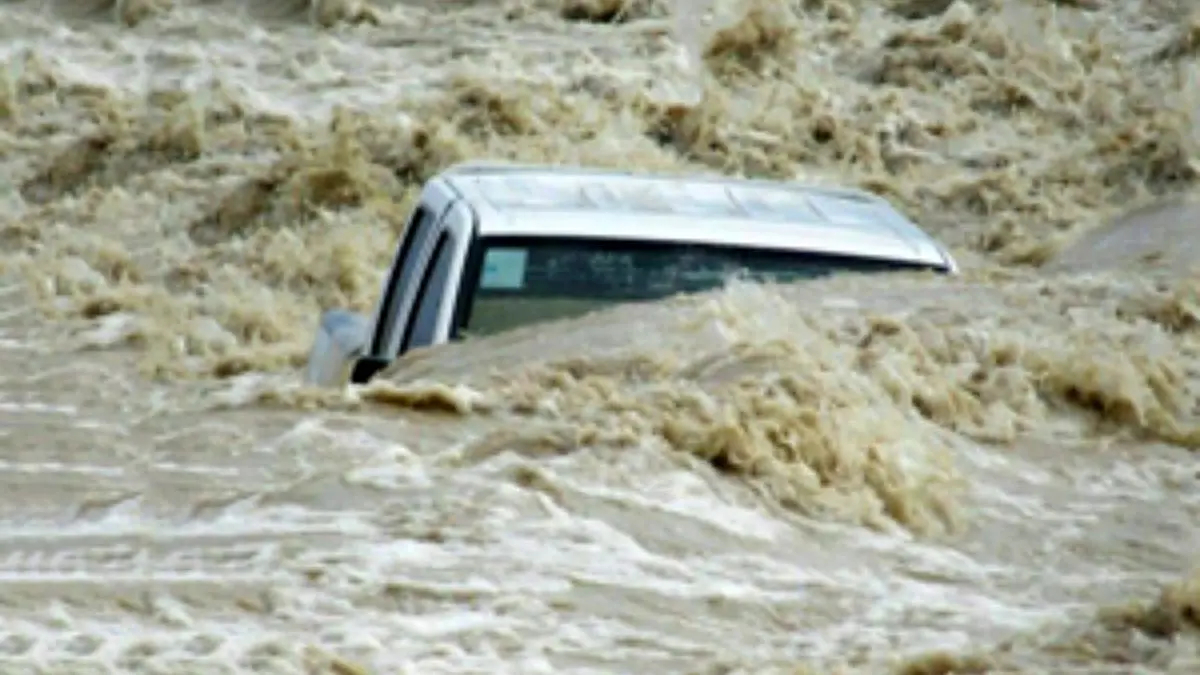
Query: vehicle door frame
[[457, 229], [410, 261]]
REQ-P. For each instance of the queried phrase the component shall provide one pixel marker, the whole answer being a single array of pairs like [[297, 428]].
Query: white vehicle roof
[[552, 201]]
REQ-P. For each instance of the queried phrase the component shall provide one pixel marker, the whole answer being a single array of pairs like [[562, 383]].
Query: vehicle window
[[416, 233], [527, 280], [421, 329]]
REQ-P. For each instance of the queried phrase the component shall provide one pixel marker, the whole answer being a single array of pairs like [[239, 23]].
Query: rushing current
[[994, 473]]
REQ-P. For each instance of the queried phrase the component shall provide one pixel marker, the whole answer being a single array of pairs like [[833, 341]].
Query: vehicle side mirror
[[341, 339]]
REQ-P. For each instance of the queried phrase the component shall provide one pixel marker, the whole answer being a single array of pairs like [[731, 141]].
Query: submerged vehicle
[[490, 247]]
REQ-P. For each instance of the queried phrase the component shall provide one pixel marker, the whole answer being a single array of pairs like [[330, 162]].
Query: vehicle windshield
[[529, 280]]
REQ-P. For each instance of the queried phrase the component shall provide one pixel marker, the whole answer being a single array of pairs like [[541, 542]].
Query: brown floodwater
[[995, 473]]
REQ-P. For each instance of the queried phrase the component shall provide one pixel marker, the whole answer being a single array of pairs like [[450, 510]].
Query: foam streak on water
[[857, 475]]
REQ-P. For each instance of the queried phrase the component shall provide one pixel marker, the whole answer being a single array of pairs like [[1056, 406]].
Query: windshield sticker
[[504, 268]]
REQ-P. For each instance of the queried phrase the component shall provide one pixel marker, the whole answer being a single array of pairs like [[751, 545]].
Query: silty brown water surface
[[994, 473]]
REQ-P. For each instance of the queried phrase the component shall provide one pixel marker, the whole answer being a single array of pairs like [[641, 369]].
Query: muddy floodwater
[[994, 473]]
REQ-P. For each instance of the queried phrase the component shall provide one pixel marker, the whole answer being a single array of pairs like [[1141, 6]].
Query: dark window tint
[[405, 268], [433, 288], [529, 280]]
